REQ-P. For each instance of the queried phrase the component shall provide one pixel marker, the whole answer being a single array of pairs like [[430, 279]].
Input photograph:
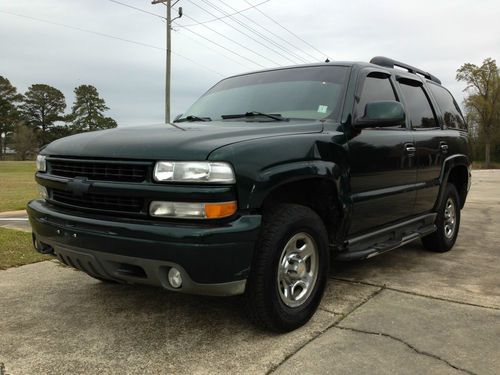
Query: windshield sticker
[[322, 109]]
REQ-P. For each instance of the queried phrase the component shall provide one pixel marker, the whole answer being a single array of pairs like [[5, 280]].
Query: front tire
[[289, 269], [447, 222]]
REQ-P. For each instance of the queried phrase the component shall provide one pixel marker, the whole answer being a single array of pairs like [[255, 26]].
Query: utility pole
[[168, 62], [168, 72]]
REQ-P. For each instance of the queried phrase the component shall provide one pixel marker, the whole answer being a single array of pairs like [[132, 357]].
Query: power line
[[274, 34], [111, 37], [138, 9], [226, 16], [196, 63], [245, 34], [258, 33], [286, 29], [225, 48], [201, 36], [181, 26], [233, 41], [214, 50]]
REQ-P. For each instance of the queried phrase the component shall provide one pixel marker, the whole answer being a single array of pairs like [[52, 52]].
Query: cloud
[[437, 36]]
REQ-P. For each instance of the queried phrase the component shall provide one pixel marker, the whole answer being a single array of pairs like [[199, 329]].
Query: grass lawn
[[17, 184], [16, 249]]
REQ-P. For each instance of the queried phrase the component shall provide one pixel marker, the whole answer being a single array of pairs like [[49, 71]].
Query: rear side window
[[375, 89], [449, 107], [418, 107]]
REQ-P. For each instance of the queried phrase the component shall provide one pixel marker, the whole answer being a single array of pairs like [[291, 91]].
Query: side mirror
[[381, 114]]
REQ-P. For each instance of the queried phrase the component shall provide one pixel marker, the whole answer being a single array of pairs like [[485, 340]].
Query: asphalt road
[[405, 312]]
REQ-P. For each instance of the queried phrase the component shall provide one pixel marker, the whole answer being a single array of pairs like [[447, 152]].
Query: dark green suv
[[264, 180]]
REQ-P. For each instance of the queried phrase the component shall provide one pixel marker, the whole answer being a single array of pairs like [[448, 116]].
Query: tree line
[[482, 108], [38, 117], [31, 120]]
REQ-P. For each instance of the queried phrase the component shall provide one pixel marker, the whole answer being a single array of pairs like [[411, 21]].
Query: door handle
[[444, 147], [410, 148]]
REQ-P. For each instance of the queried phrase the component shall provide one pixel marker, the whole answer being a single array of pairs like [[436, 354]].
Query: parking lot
[[408, 311]]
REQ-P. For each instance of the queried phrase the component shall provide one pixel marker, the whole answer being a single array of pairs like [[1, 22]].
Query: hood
[[191, 141]]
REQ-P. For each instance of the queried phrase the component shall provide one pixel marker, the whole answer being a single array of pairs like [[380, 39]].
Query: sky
[[437, 36]]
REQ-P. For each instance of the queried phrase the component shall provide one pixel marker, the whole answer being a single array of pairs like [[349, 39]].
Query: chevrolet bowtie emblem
[[79, 186]]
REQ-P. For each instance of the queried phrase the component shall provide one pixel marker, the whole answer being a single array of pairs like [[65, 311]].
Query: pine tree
[[43, 106], [88, 108], [9, 114]]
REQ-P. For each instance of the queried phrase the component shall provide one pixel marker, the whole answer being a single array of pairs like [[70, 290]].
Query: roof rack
[[390, 63]]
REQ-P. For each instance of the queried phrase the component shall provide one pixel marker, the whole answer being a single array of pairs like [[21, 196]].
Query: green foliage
[[25, 142], [43, 106], [483, 103], [61, 131], [42, 110], [87, 112], [9, 99]]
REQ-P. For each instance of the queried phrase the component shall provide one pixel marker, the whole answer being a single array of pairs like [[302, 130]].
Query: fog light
[[42, 190], [174, 278]]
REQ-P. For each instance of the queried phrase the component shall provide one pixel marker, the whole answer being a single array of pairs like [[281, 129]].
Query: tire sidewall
[[288, 317], [447, 243]]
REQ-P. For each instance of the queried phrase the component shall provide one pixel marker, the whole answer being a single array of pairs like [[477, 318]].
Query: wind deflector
[[390, 63]]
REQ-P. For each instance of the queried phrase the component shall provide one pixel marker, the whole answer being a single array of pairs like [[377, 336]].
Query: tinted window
[[305, 93], [418, 108], [375, 89], [449, 107]]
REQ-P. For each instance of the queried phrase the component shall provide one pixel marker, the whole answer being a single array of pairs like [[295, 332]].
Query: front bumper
[[212, 259]]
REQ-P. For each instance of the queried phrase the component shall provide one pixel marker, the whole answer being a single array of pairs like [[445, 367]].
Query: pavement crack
[[319, 333], [328, 311], [413, 348], [414, 293]]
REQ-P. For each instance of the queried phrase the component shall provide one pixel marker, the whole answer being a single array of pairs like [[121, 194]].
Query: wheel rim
[[450, 218], [297, 270]]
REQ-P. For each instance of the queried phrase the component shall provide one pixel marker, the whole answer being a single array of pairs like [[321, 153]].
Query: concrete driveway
[[15, 220], [404, 312]]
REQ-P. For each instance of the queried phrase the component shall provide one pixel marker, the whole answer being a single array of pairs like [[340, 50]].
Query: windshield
[[312, 93]]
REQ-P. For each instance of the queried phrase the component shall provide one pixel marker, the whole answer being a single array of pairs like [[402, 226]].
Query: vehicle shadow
[[128, 326]]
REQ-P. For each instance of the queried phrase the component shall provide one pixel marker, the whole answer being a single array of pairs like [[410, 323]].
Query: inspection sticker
[[322, 108]]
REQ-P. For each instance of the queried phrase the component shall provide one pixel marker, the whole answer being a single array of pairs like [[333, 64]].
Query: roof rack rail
[[390, 63]]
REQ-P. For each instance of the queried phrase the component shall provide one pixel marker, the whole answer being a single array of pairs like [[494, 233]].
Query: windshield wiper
[[274, 116], [193, 119]]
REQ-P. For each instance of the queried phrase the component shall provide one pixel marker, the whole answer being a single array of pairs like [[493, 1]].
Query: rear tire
[[447, 222], [289, 269]]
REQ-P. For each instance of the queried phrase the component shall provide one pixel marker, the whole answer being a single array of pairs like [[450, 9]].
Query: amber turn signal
[[220, 210]]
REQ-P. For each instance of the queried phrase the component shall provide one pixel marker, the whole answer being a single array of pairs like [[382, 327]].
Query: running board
[[388, 245]]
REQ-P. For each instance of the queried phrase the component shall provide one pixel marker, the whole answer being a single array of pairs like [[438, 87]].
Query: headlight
[[41, 164], [192, 210], [203, 171]]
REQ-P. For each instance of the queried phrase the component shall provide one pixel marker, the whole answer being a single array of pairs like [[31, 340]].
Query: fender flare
[[274, 177], [449, 163]]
